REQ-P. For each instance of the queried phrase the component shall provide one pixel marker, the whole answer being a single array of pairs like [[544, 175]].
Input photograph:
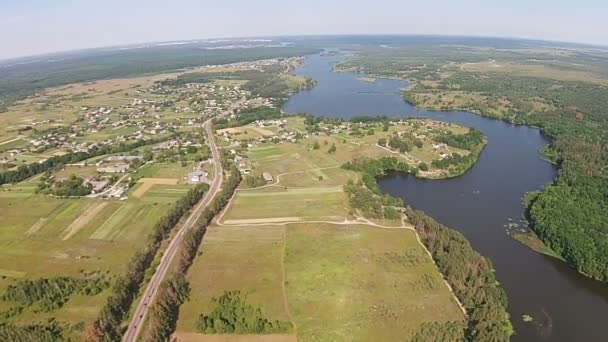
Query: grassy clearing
[[195, 337], [42, 236], [165, 193], [342, 283], [360, 283], [83, 219], [163, 170], [236, 258], [11, 144], [556, 72], [308, 204]]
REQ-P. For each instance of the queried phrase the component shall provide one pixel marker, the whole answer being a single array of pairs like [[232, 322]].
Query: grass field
[[11, 143], [145, 184], [335, 283], [164, 170], [347, 279], [237, 258], [305, 204], [42, 236]]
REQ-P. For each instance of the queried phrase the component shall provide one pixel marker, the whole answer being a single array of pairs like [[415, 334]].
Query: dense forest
[[50, 331], [403, 142], [468, 141], [571, 216]]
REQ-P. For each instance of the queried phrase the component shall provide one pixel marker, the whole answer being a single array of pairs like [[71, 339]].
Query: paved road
[[142, 308]]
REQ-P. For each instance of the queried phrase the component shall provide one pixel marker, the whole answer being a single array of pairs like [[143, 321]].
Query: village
[[238, 141], [159, 112]]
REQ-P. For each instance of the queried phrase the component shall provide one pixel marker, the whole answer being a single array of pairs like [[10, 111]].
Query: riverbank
[[480, 201]]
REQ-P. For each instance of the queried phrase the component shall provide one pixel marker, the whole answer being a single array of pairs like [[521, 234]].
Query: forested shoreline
[[571, 215], [469, 273]]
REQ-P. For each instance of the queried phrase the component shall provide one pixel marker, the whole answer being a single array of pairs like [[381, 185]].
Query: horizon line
[[600, 46]]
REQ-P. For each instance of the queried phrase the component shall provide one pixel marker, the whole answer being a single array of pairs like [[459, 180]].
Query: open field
[[194, 337], [83, 219], [237, 258], [556, 71], [164, 170], [165, 193], [42, 236], [333, 282], [360, 283], [147, 183], [11, 143], [305, 204], [294, 247]]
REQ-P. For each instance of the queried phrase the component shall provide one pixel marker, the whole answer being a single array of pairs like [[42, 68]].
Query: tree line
[[249, 115], [52, 293], [107, 326], [471, 277], [469, 274], [174, 290], [365, 195]]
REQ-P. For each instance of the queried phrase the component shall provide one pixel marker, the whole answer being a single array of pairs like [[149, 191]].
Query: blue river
[[481, 204]]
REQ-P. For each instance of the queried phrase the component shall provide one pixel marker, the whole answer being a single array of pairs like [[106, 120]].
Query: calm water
[[565, 305]]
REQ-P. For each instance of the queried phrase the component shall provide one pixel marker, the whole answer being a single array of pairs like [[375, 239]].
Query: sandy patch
[[194, 337], [147, 183], [83, 219]]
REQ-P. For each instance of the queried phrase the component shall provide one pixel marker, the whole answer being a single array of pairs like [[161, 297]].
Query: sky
[[29, 27]]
